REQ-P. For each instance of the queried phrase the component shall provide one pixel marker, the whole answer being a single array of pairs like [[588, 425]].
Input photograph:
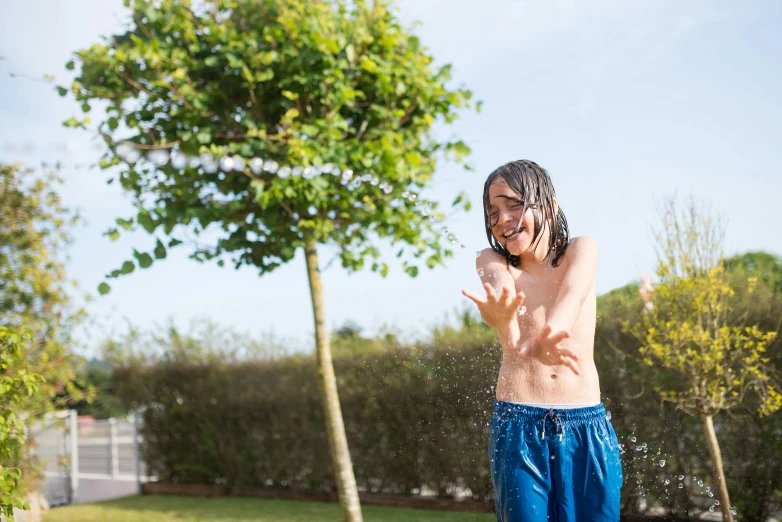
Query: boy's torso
[[527, 380]]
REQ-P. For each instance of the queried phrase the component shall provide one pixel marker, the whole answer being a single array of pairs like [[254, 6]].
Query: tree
[[36, 317], [293, 96], [686, 331], [16, 385]]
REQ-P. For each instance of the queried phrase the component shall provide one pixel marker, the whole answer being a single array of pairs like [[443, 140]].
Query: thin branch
[[132, 83], [408, 113], [243, 136]]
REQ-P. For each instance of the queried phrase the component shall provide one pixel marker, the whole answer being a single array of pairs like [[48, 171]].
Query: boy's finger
[[558, 337], [491, 295], [472, 296], [570, 363], [505, 298], [565, 352]]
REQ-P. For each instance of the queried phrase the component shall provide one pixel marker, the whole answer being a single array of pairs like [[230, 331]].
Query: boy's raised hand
[[547, 348], [497, 309]]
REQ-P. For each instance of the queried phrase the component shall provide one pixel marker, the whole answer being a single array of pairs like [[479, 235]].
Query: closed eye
[[496, 214]]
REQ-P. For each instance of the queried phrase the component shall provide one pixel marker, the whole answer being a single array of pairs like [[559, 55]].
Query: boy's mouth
[[513, 235]]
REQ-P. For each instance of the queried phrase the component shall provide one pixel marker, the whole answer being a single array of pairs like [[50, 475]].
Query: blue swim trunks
[[558, 465]]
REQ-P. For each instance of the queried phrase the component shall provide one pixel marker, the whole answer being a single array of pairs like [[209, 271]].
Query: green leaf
[[62, 91], [160, 250], [146, 221], [174, 242], [144, 259], [204, 137], [113, 234], [71, 122], [104, 289], [69, 65], [125, 223], [127, 267]]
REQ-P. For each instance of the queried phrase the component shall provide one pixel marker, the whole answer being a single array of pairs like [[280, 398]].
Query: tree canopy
[[260, 119]]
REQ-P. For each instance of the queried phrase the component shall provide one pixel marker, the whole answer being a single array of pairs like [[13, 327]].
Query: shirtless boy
[[553, 452]]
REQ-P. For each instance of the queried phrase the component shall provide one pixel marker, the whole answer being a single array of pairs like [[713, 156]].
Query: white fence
[[86, 460]]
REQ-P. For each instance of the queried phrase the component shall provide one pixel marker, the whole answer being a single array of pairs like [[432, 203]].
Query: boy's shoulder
[[581, 247], [489, 256], [582, 243]]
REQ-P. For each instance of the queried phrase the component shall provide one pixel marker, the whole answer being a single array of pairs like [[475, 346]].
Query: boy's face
[[505, 215]]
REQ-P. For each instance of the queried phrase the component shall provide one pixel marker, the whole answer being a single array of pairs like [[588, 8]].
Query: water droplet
[[632, 439], [733, 511], [662, 463], [522, 311], [681, 485], [480, 272], [681, 477], [700, 483], [667, 482], [496, 275], [711, 508], [226, 164], [256, 165], [178, 160]]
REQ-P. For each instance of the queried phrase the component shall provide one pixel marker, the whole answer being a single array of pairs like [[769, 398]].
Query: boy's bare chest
[[540, 296]]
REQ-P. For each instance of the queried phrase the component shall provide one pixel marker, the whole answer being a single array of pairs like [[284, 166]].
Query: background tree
[[331, 87], [16, 385], [686, 332], [34, 230]]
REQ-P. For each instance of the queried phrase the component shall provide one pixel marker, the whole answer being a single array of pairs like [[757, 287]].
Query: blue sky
[[623, 102]]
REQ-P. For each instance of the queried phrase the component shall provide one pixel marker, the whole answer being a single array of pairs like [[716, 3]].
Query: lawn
[[152, 508]]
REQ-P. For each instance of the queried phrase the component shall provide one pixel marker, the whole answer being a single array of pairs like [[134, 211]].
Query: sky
[[622, 102]]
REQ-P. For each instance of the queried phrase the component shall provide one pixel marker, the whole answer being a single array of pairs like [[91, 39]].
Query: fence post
[[113, 447], [74, 460], [137, 449]]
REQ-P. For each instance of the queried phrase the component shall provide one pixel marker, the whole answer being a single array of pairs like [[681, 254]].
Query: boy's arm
[[492, 263], [508, 331], [579, 278]]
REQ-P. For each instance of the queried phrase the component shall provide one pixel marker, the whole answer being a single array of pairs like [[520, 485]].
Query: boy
[[554, 454]]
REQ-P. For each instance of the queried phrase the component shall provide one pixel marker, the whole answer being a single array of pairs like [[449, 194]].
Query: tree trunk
[[335, 428], [716, 466]]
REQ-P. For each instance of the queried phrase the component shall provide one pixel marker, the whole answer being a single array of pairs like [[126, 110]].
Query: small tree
[[685, 332], [17, 384], [36, 314], [332, 86]]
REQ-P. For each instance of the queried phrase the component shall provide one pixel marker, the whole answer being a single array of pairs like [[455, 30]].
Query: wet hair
[[533, 185]]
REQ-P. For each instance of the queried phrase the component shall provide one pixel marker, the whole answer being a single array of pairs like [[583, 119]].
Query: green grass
[[151, 508]]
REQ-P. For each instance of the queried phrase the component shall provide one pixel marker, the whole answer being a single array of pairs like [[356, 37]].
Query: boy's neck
[[538, 260]]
